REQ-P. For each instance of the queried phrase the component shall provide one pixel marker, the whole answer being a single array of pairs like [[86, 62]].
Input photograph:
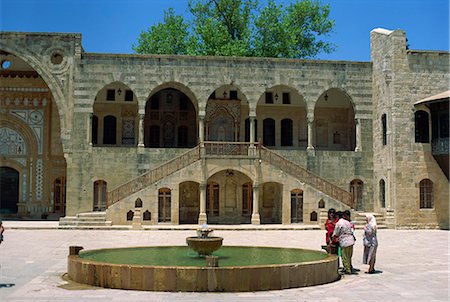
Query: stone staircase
[[85, 220], [359, 219]]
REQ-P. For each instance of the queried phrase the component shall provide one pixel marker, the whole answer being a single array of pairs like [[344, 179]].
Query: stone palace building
[[112, 139]]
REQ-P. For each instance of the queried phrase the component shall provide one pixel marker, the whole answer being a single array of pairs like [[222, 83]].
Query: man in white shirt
[[344, 233]]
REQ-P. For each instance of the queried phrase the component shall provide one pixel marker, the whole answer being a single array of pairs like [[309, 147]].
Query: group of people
[[340, 239]]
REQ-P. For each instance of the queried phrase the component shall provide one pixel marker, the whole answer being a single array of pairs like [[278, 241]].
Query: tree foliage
[[241, 28]]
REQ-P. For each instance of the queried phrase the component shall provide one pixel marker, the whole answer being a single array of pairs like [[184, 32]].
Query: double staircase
[[210, 149]]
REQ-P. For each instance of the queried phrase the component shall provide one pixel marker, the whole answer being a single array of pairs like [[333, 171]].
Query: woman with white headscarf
[[370, 243]]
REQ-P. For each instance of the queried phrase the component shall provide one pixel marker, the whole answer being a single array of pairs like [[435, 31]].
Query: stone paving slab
[[414, 265]]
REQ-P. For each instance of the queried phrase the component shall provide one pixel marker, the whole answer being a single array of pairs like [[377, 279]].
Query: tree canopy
[[242, 28]]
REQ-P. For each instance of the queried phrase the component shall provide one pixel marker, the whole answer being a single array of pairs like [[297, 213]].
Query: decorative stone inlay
[[11, 142], [35, 120], [39, 178]]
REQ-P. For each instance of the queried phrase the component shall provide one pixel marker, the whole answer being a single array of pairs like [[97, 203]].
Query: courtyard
[[413, 264]]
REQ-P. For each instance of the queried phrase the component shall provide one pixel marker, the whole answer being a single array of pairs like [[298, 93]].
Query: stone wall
[[402, 77]]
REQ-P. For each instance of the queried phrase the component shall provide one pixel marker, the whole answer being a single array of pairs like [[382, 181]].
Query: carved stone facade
[[213, 139]]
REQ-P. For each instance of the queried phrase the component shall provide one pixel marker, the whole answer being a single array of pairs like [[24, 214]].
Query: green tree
[[240, 28], [168, 37]]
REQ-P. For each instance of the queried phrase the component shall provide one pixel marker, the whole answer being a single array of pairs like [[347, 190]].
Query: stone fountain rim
[[331, 257]]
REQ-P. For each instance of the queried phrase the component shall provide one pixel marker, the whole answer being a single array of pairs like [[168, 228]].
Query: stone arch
[[334, 121], [170, 106], [55, 87], [116, 99], [22, 129], [283, 102], [227, 108], [177, 86]]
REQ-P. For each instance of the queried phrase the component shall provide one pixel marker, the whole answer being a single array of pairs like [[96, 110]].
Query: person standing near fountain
[[344, 233], [2, 229], [370, 243], [330, 224]]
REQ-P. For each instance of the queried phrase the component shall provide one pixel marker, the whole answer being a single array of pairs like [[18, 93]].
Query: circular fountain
[[183, 268]]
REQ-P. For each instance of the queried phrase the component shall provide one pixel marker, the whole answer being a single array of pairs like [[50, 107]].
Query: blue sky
[[112, 26]]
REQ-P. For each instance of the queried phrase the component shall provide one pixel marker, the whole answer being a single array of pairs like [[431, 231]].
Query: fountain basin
[[204, 245], [286, 268]]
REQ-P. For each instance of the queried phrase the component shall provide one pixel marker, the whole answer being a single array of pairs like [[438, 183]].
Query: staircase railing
[[154, 175], [309, 178]]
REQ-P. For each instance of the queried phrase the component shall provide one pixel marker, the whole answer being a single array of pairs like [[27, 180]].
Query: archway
[[170, 120], [30, 130], [9, 190], [229, 198], [282, 110], [189, 204], [296, 206], [334, 119], [226, 112]]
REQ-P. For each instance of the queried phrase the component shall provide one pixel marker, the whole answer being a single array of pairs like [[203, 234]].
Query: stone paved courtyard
[[414, 265]]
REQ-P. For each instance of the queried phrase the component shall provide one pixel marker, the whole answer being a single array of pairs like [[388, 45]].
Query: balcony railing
[[440, 146], [229, 148]]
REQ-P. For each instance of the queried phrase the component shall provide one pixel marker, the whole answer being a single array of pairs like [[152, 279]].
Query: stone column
[[202, 218], [255, 214], [201, 129], [252, 120], [310, 133], [141, 130], [358, 135]]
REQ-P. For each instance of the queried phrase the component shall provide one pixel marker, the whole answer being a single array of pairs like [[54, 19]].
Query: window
[[109, 130], [426, 194], [247, 129], [286, 98], [128, 95], [286, 132], [100, 202], [382, 187], [154, 136], [296, 206], [154, 103], [269, 98], [184, 101], [356, 189], [59, 195], [164, 205], [182, 136], [384, 129], [421, 127], [212, 199], [269, 132], [94, 130], [110, 95], [233, 95]]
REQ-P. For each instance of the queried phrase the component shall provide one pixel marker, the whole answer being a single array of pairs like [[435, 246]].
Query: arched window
[[130, 215], [296, 206], [109, 130], [59, 195], [269, 132], [422, 127], [94, 130], [182, 136], [313, 216], [164, 205], [321, 204], [247, 130], [154, 136], [384, 128], [138, 203], [356, 189], [286, 132], [100, 201], [382, 187], [426, 194]]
